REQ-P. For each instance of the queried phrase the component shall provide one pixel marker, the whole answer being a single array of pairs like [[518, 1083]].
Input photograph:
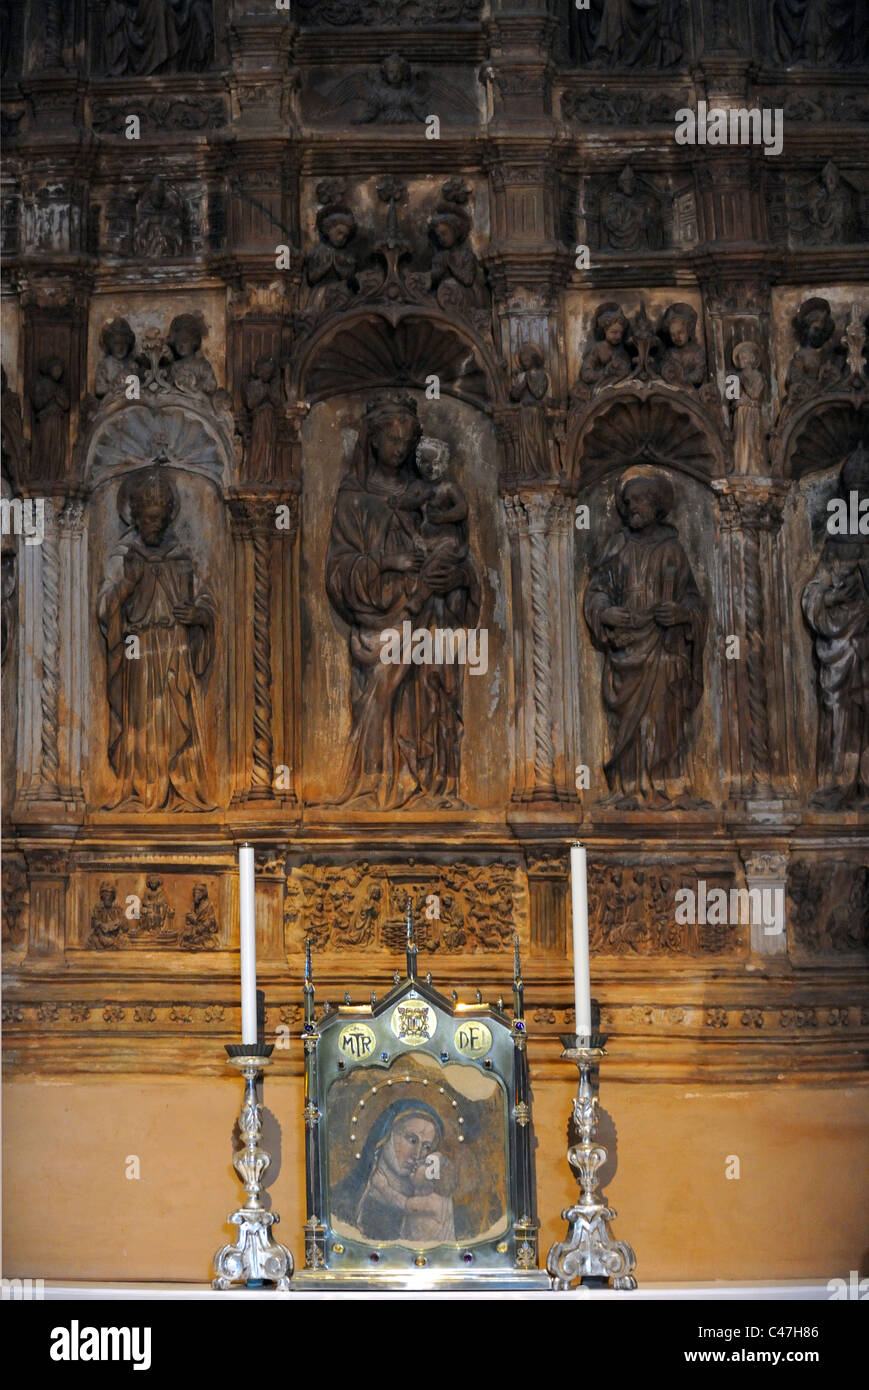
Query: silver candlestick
[[589, 1251], [255, 1259]]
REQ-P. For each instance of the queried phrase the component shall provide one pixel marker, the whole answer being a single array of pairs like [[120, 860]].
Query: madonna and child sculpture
[[399, 555]]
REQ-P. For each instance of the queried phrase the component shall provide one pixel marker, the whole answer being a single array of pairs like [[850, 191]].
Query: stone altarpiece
[[286, 369]]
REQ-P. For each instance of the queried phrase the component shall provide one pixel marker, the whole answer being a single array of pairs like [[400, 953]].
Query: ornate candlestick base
[[589, 1250], [256, 1259]]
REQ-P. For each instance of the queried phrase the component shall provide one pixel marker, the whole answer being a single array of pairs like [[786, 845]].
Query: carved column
[[750, 514], [263, 524], [39, 665], [74, 647], [52, 663], [538, 524]]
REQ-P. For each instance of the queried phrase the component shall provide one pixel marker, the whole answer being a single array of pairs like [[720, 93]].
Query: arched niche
[[640, 423], [200, 530], [404, 347], [328, 436], [133, 434], [821, 434], [666, 433]]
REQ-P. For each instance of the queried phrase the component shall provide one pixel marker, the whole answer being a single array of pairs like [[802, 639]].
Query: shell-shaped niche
[[372, 353], [831, 432], [656, 429], [137, 435]]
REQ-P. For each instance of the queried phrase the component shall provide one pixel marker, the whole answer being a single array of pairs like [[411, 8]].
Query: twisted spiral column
[[528, 516], [50, 687], [758, 713], [544, 750], [263, 743]]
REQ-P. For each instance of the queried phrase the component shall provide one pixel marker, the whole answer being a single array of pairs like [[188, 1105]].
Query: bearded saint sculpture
[[157, 619], [648, 617]]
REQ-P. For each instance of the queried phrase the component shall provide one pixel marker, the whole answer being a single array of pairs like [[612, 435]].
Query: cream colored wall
[[796, 1210]]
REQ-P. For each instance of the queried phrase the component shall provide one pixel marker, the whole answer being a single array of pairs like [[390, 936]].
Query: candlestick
[[247, 932], [590, 1251], [256, 1259], [581, 975]]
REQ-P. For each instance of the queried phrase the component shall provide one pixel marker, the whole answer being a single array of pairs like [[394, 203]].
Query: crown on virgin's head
[[392, 401]]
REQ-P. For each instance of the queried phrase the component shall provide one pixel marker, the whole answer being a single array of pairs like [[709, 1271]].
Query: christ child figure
[[434, 1179], [156, 914], [443, 532]]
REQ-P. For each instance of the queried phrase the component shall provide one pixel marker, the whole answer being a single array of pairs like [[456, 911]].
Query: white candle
[[581, 976], [248, 945]]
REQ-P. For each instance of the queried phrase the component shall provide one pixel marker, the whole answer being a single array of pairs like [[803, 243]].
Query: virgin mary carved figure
[[646, 614], [383, 568], [157, 619]]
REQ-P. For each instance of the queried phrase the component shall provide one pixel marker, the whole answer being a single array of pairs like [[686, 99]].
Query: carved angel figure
[[607, 359], [813, 366], [684, 361], [191, 370], [118, 362]]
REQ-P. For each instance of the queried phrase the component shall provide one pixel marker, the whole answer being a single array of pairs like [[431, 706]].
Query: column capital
[[750, 504]]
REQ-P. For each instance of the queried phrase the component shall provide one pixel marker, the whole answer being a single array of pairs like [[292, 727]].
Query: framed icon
[[419, 1142]]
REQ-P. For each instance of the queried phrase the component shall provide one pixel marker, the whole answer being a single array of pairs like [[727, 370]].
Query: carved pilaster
[[750, 514], [48, 872], [74, 646], [262, 80], [52, 665], [767, 872], [539, 525]]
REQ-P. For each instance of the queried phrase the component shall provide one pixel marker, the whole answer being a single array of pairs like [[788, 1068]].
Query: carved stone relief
[[824, 211], [388, 13], [633, 913], [130, 915], [642, 349], [460, 908], [630, 214], [817, 363], [161, 221], [392, 92], [830, 907], [50, 404]]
